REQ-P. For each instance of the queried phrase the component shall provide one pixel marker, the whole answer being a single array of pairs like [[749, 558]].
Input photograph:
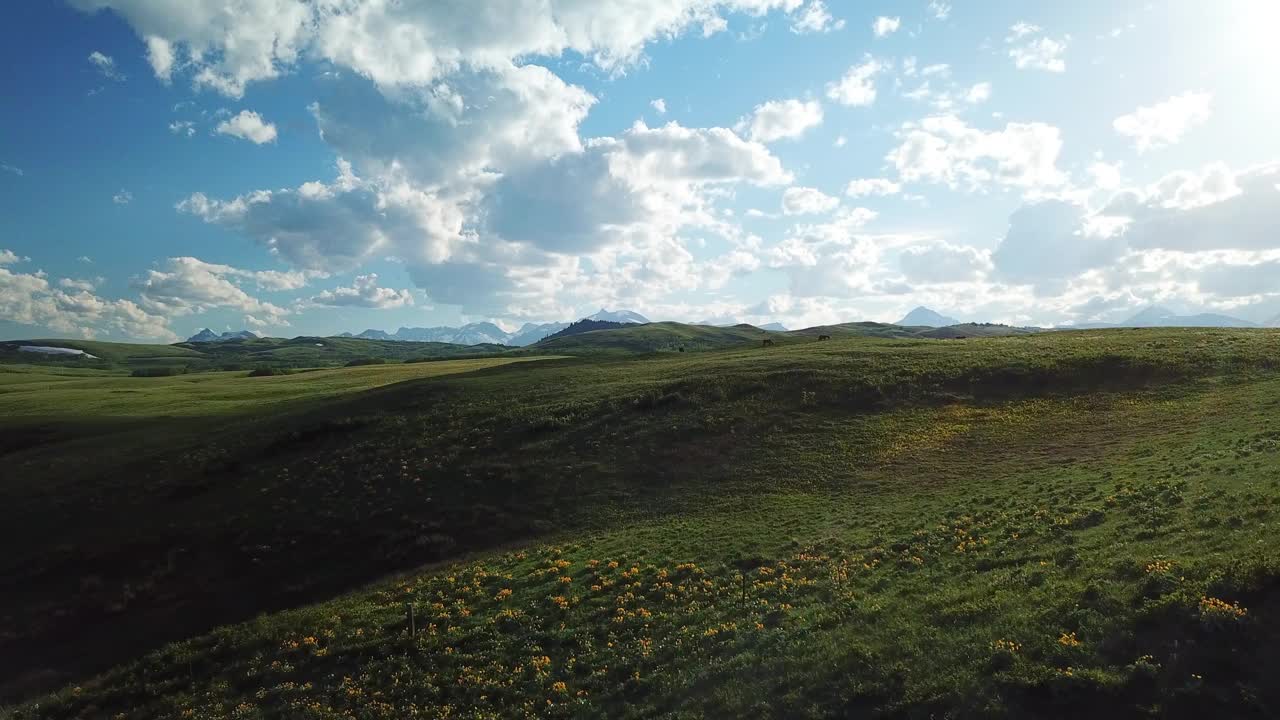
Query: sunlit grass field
[[51, 392], [1048, 526]]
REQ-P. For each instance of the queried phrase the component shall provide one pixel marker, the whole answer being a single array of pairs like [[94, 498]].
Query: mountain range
[[206, 335], [482, 333], [1156, 316]]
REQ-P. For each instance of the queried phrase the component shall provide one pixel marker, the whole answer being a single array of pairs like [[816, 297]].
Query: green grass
[[1026, 526], [652, 338], [37, 392], [299, 352]]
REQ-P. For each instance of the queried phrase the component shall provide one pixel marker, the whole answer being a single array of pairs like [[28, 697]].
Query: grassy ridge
[[35, 392], [653, 337], [733, 460], [299, 352]]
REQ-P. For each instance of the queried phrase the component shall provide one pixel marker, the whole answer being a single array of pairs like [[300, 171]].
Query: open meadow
[[1051, 524]]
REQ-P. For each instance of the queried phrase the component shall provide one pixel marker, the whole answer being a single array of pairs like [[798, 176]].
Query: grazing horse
[[824, 337], [767, 343]]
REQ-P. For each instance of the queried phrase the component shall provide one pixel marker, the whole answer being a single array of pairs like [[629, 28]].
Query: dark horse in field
[[824, 337], [767, 343]]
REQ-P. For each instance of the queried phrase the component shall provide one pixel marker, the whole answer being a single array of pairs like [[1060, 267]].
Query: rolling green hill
[[651, 338], [300, 352], [1055, 524]]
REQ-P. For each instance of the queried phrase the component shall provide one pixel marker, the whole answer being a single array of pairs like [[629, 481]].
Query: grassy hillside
[[110, 353], [1052, 525], [652, 337], [301, 352], [33, 392]]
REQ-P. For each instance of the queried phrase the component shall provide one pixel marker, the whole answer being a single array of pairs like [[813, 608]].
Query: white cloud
[[807, 201], [187, 286], [248, 125], [943, 262], [660, 105], [1165, 123], [403, 44], [124, 197], [30, 299], [885, 26], [9, 257], [1106, 176], [365, 293], [12, 169], [841, 141], [857, 87], [941, 10], [81, 285], [864, 187], [815, 18], [943, 149], [979, 93], [1032, 50], [182, 127], [599, 221], [160, 57], [106, 65], [780, 119]]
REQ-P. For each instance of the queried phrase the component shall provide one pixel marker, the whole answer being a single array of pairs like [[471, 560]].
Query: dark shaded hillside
[[160, 540]]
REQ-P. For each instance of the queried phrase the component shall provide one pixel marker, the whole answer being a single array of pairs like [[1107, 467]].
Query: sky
[[308, 167]]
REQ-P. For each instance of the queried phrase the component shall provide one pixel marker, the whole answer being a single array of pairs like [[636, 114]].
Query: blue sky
[[311, 166]]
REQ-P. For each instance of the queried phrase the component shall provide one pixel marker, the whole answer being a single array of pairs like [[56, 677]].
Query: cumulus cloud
[[1204, 238], [182, 127], [124, 197], [1165, 123], [779, 119], [943, 262], [407, 44], [187, 285], [807, 201], [815, 18], [1031, 49], [885, 26], [248, 125], [30, 299], [106, 66], [514, 241], [857, 87], [941, 10], [11, 169], [659, 105], [944, 149], [365, 293], [9, 257]]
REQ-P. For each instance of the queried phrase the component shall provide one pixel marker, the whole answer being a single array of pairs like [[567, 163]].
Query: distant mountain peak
[[618, 316], [1156, 316], [207, 335], [924, 317]]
